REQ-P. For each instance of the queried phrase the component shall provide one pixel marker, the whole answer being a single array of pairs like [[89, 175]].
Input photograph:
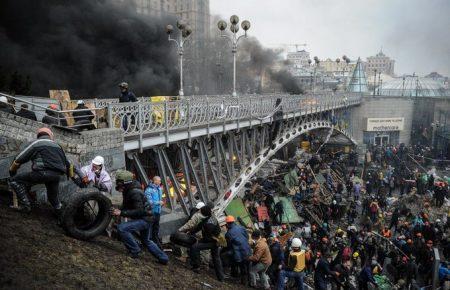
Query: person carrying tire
[[136, 208], [49, 164]]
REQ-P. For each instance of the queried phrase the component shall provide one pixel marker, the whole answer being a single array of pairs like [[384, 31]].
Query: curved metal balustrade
[[146, 117]]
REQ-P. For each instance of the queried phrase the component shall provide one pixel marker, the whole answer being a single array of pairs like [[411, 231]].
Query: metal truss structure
[[218, 165]]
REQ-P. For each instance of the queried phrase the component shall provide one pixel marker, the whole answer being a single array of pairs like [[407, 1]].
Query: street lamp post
[[374, 81], [185, 32], [311, 79], [316, 64], [347, 61], [234, 39]]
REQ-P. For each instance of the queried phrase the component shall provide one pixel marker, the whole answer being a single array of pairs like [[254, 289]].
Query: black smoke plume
[[85, 46], [258, 69]]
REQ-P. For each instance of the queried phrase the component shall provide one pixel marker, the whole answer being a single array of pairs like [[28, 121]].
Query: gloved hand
[[85, 180], [13, 168]]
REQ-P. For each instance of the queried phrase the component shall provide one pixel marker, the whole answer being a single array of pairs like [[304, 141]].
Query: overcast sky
[[416, 33]]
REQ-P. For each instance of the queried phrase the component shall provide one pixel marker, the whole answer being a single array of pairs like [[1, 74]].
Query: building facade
[[193, 12], [383, 120], [298, 59], [380, 63]]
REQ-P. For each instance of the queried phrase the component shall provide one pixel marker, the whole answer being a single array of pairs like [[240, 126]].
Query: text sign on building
[[385, 124]]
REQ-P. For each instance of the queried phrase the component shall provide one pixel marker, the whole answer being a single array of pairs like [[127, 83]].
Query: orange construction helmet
[[45, 130], [230, 219], [53, 107]]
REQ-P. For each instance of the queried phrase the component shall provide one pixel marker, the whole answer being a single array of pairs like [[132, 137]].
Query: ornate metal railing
[[146, 117]]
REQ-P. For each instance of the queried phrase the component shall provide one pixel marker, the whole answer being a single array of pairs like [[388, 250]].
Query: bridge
[[214, 143]]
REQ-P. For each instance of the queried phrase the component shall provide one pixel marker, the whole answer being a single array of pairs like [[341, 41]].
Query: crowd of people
[[382, 232], [380, 224]]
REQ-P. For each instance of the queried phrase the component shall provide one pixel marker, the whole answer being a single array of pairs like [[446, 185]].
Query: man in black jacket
[[323, 272], [24, 112], [83, 117], [49, 163], [277, 120], [126, 95], [204, 221], [5, 106], [52, 117], [136, 208]]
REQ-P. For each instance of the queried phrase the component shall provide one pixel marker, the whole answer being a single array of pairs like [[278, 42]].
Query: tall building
[[196, 14], [380, 63], [151, 7], [193, 12], [340, 68]]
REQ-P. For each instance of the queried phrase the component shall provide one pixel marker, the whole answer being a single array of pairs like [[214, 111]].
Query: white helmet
[[296, 243], [3, 99], [200, 205], [98, 160], [80, 102]]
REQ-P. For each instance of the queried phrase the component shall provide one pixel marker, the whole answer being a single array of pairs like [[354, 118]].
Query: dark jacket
[[210, 229], [365, 276], [277, 253], [323, 271], [134, 204], [127, 96], [237, 239], [278, 116], [52, 119], [82, 116], [7, 108], [27, 114], [45, 154]]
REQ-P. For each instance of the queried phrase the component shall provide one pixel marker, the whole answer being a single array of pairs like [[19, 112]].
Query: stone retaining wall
[[16, 132]]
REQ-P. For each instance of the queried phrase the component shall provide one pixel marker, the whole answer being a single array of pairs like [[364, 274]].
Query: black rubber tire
[[72, 207]]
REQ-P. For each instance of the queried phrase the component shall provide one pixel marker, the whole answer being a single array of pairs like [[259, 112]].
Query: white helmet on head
[[296, 243], [200, 205], [80, 102], [98, 160], [3, 99]]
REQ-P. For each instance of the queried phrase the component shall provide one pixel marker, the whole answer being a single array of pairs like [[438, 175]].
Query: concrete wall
[[16, 132], [383, 107]]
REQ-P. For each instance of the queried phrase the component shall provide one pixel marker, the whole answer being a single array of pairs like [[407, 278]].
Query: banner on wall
[[385, 124]]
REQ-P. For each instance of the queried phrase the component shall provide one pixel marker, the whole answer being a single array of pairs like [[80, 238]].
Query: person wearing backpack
[[294, 266], [207, 223], [136, 208]]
